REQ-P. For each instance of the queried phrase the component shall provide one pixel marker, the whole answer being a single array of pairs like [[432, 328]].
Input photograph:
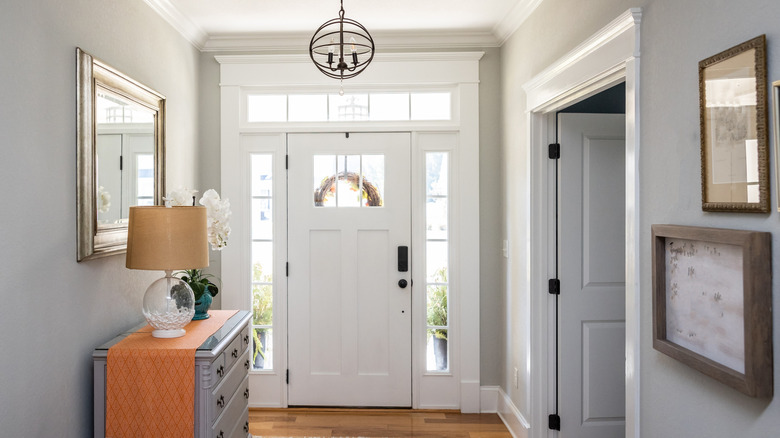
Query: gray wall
[[676, 401], [491, 332], [57, 310]]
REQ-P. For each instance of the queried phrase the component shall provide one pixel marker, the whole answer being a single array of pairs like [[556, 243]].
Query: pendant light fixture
[[341, 48]]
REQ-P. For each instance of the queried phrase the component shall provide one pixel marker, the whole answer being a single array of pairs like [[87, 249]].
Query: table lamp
[[167, 239]]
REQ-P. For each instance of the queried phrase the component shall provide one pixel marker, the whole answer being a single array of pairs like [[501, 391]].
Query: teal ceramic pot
[[202, 307]]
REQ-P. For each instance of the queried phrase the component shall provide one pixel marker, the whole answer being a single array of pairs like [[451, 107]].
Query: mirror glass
[[733, 129], [124, 156], [121, 150]]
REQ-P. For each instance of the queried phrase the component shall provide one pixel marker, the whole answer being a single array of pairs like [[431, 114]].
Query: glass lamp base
[[168, 333], [168, 306]]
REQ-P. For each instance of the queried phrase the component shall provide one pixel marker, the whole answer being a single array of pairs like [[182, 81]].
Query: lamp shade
[[167, 238]]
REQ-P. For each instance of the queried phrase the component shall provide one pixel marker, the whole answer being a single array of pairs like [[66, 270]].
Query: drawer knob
[[221, 401], [246, 427], [235, 352], [221, 434], [221, 371], [246, 364], [246, 339], [246, 393]]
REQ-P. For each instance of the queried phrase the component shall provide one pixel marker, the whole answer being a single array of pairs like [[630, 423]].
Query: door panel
[[349, 321], [592, 274]]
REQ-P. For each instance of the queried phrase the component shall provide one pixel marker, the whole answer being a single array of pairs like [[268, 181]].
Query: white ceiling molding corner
[[400, 40], [514, 19], [189, 30]]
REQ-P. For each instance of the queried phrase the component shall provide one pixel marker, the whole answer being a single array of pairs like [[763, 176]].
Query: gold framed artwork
[[712, 303], [734, 134]]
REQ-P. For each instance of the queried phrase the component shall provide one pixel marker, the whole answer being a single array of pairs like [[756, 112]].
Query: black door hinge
[[286, 161], [554, 286], [121, 162], [554, 151], [554, 422], [287, 378], [287, 269]]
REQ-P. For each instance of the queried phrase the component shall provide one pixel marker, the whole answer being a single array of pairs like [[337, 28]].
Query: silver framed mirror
[[776, 118], [120, 154], [734, 140]]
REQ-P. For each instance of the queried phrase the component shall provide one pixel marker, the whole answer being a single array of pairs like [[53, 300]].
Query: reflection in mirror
[[124, 157], [121, 150], [733, 129]]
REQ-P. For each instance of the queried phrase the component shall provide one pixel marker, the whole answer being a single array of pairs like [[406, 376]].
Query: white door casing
[[456, 71], [608, 57], [591, 243], [349, 320]]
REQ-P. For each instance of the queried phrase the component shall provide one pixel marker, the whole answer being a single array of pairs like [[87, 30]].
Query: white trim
[[460, 387], [397, 40], [606, 58], [514, 18], [499, 402], [418, 69], [189, 30], [488, 399], [600, 55], [386, 57]]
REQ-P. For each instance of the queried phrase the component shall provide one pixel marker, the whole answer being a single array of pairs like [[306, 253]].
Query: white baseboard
[[494, 400], [488, 399]]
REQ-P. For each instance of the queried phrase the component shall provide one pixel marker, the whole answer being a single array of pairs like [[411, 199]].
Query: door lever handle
[[403, 259]]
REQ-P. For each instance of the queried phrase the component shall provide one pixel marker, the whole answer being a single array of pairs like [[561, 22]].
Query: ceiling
[[279, 25]]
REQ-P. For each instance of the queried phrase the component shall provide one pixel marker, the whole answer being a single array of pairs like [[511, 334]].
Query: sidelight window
[[437, 260], [262, 256]]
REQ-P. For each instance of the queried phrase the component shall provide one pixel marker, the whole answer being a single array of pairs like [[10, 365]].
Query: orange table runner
[[150, 382]]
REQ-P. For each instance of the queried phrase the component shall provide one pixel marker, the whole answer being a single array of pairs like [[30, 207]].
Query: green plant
[[262, 305], [199, 282], [258, 346], [437, 304]]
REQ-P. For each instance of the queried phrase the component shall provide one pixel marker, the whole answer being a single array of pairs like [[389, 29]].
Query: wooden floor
[[296, 422]]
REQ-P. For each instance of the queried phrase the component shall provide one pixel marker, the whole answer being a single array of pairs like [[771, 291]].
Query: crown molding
[[401, 40], [388, 40], [384, 57], [189, 30], [514, 19]]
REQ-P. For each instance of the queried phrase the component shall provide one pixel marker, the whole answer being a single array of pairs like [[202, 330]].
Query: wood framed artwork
[[733, 123], [712, 303], [776, 116]]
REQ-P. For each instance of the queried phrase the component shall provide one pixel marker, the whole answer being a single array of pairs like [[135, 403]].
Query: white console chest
[[221, 381]]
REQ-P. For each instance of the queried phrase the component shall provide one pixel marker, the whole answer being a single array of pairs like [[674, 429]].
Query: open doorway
[[588, 195], [608, 58]]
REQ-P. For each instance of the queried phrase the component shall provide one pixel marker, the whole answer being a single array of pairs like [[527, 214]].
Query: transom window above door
[[382, 106]]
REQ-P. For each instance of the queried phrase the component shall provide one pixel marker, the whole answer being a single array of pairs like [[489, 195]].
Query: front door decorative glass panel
[[349, 180]]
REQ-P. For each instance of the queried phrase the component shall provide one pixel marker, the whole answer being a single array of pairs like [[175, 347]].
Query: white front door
[[349, 319], [592, 274]]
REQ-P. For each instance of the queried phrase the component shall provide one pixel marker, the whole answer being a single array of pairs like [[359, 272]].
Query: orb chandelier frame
[[328, 44]]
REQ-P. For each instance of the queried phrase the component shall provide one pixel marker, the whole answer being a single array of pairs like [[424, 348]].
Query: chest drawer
[[234, 350], [234, 417], [224, 392]]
